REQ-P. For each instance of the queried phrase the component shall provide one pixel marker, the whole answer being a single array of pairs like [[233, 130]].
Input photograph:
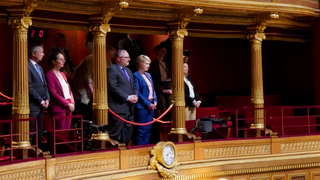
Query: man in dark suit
[[38, 92], [133, 47], [122, 94]]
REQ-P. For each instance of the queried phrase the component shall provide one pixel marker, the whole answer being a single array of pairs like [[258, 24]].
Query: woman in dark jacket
[[192, 97]]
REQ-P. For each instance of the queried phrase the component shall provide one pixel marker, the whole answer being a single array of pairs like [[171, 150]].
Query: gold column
[[177, 32], [178, 110], [256, 36], [100, 97], [20, 107]]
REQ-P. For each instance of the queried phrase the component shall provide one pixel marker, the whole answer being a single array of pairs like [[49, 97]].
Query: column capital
[[99, 23], [177, 33], [20, 22], [256, 33], [256, 38]]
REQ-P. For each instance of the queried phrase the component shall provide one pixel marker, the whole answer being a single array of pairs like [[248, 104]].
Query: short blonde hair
[[142, 59]]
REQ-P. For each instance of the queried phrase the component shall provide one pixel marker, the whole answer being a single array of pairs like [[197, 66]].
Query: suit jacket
[[82, 78], [119, 88], [143, 90], [156, 76], [188, 99], [38, 90], [126, 44], [58, 102], [68, 59]]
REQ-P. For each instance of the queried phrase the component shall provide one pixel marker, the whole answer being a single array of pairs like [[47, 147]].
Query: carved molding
[[236, 151], [26, 174], [20, 165], [86, 166], [70, 7], [296, 175], [244, 171], [138, 160], [300, 146], [185, 155]]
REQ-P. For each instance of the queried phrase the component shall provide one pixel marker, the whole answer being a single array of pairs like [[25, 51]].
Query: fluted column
[[178, 110], [100, 96], [256, 36], [20, 106]]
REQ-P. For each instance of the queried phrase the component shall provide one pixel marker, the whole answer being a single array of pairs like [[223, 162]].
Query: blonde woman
[[147, 101]]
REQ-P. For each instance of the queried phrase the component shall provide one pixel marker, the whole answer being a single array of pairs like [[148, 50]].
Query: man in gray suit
[[38, 92], [122, 94]]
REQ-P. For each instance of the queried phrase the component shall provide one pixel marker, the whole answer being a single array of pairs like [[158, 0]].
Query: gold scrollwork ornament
[[164, 159]]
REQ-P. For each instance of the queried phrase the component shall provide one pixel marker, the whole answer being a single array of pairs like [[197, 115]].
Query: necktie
[[125, 73], [39, 72]]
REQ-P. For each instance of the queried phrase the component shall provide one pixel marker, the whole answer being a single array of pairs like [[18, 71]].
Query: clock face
[[168, 154]]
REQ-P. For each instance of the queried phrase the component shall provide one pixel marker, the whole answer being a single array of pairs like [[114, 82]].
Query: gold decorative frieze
[[300, 146], [138, 160], [236, 151], [26, 175], [145, 14], [211, 174], [20, 165], [70, 7], [185, 155], [223, 19], [86, 166]]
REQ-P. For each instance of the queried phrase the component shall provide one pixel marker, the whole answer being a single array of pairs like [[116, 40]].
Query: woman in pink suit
[[62, 102]]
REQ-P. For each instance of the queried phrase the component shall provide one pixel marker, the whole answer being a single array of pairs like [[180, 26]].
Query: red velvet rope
[[5, 96], [144, 124], [139, 124]]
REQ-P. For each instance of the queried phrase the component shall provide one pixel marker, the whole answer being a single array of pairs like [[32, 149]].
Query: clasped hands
[[153, 106], [197, 104], [133, 99], [45, 104]]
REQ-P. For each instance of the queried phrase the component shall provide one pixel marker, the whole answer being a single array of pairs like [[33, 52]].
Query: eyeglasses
[[125, 57], [61, 60]]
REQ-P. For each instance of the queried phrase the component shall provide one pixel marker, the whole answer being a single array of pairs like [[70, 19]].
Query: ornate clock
[[164, 159], [166, 154]]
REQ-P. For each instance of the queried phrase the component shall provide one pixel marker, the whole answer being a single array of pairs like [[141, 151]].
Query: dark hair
[[34, 48], [89, 38], [58, 36], [186, 52], [158, 47], [54, 57]]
